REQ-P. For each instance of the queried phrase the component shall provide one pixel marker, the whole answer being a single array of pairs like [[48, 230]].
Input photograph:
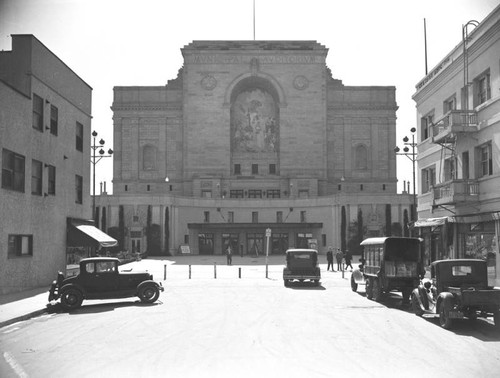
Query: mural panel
[[254, 122]]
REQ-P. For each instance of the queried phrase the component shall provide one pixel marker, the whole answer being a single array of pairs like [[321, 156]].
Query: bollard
[[215, 270], [342, 272], [164, 272], [239, 272], [267, 271], [189, 271]]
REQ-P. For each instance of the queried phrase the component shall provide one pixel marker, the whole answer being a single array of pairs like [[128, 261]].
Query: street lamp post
[[94, 159], [413, 157]]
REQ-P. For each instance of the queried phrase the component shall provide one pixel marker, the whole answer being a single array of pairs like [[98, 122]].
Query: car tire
[[71, 298], [444, 316], [369, 288], [416, 306], [354, 285], [376, 290], [149, 293]]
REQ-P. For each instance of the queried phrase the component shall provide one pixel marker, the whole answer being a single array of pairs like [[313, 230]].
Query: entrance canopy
[[430, 222], [85, 234]]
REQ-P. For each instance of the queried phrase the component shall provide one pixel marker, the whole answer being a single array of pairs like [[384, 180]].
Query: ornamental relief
[[300, 82], [208, 82]]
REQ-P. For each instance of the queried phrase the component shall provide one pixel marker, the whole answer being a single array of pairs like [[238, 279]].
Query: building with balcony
[[252, 135], [45, 115], [458, 115]]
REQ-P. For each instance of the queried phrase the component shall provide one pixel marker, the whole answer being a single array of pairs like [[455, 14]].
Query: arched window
[[149, 158], [361, 156]]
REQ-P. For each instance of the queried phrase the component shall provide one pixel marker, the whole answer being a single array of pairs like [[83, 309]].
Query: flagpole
[[254, 20]]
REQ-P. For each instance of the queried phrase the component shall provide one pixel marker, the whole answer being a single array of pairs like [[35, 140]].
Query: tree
[[148, 229], [167, 231], [406, 230], [121, 228], [388, 220], [103, 219]]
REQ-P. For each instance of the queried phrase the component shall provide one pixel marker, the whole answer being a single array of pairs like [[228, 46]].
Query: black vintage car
[[99, 278], [301, 264], [458, 289]]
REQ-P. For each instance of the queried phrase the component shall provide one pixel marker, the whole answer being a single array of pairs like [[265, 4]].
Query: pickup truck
[[458, 289], [99, 278], [301, 265]]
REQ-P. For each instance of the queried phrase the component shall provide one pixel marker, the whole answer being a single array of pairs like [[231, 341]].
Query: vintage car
[[387, 264], [458, 289], [301, 265], [99, 278]]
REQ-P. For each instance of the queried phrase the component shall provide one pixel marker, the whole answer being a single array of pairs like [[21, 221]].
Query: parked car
[[99, 278], [458, 289], [301, 265], [387, 264]]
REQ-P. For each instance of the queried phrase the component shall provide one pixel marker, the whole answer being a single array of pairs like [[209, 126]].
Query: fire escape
[[447, 131]]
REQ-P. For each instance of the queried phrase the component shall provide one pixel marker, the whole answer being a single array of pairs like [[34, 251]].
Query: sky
[[123, 42]]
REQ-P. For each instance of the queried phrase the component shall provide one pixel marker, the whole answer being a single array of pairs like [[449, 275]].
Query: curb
[[24, 317]]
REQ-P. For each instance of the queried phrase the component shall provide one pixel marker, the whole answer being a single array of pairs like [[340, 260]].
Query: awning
[[430, 222], [476, 218], [80, 235]]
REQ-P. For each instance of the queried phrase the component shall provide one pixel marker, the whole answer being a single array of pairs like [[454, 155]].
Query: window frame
[[79, 189], [16, 177], [428, 178], [54, 120], [37, 113], [484, 161], [79, 131], [15, 245], [36, 177], [51, 180], [481, 95], [426, 123]]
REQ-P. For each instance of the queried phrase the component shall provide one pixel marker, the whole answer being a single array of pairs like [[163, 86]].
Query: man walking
[[339, 255], [348, 258], [329, 258], [229, 255]]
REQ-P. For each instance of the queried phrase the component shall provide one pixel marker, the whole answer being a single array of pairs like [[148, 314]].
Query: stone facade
[[35, 205], [254, 127]]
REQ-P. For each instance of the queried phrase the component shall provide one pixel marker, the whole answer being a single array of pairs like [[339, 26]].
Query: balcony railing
[[453, 122], [456, 191]]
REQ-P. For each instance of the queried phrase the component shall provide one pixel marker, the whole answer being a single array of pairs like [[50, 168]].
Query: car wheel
[[369, 288], [354, 285], [416, 306], [406, 293], [496, 319], [71, 299], [376, 290], [149, 293], [444, 316]]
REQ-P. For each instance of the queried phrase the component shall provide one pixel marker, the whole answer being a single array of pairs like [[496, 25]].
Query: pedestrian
[[348, 258], [329, 258], [229, 255], [339, 255]]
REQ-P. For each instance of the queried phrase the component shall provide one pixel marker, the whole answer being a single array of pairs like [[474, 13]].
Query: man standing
[[229, 255], [339, 255], [329, 258]]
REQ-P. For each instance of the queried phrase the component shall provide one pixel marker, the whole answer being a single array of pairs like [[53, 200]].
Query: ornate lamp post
[[94, 159], [413, 157]]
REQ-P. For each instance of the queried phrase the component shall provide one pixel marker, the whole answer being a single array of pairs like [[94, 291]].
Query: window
[[206, 193], [36, 177], [254, 193], [428, 179], [303, 193], [273, 193], [303, 217], [323, 240], [236, 193], [126, 188], [485, 159], [79, 136], [230, 217], [361, 156], [237, 169], [54, 119], [255, 169], [206, 216], [449, 169], [255, 217], [149, 158], [135, 219], [37, 113], [272, 169], [361, 187], [279, 217], [383, 187], [12, 171], [20, 245], [482, 89], [449, 104], [426, 125], [148, 188], [51, 189], [465, 165], [78, 189]]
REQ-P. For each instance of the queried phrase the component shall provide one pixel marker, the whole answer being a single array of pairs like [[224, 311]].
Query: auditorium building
[[252, 136]]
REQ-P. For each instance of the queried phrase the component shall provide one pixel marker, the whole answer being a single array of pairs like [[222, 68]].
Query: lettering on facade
[[266, 59], [433, 73]]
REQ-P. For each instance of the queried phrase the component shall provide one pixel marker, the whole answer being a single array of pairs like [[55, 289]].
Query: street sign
[[268, 232]]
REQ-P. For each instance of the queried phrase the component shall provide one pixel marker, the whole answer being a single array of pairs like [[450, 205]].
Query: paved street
[[248, 327]]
